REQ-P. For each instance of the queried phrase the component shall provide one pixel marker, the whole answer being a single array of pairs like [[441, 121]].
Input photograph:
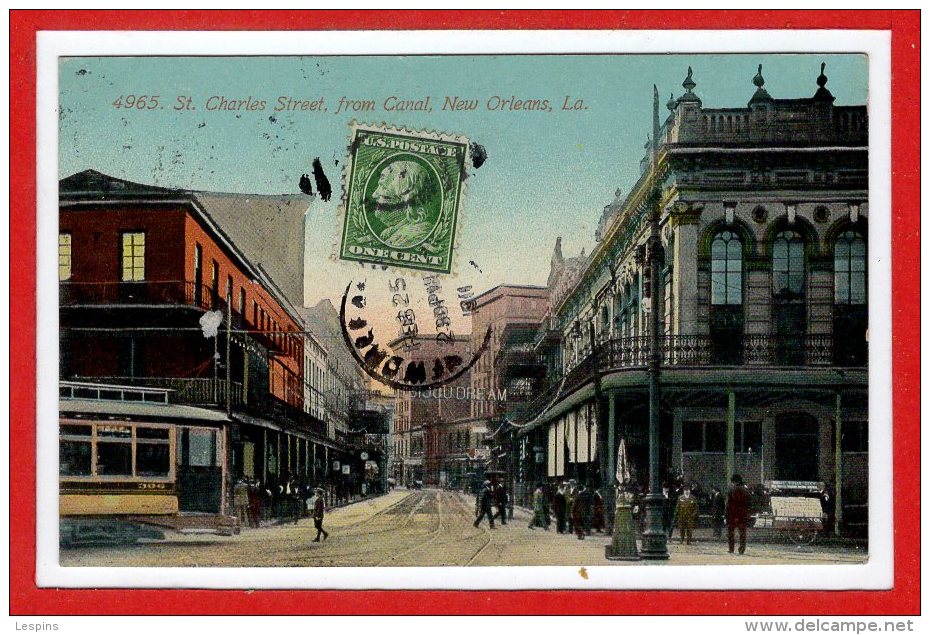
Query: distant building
[[429, 435], [344, 383]]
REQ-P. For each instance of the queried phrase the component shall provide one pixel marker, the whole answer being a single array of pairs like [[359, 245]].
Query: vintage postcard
[[360, 315]]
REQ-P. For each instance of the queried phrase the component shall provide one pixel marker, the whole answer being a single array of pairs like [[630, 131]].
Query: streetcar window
[[74, 458], [114, 459], [117, 432], [74, 431], [201, 448], [152, 433], [152, 459]]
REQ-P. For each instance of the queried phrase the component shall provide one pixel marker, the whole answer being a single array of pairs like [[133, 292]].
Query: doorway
[[200, 472], [797, 447]]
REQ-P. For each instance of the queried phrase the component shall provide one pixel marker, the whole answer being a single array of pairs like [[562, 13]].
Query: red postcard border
[[904, 598]]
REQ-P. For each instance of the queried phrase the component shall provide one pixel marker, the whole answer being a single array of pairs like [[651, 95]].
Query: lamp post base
[[623, 546], [655, 540]]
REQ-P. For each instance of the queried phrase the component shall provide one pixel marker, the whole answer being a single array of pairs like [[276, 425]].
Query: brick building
[[140, 269]]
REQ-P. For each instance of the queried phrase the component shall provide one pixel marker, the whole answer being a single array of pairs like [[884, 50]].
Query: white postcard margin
[[877, 573]]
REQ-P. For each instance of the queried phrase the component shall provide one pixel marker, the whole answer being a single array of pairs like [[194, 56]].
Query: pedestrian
[[483, 505], [539, 508], [558, 505], [500, 499], [828, 508], [267, 501], [570, 507], [580, 511], [687, 514], [547, 504], [673, 491], [718, 507], [598, 523], [737, 512], [319, 510], [241, 501], [255, 506]]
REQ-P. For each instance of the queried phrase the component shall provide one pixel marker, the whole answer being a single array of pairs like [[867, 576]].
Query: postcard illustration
[[461, 310]]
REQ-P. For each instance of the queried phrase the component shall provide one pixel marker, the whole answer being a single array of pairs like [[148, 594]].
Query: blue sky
[[547, 174]]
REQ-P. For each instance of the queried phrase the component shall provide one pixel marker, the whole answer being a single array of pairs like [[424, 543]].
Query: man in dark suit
[[737, 512]]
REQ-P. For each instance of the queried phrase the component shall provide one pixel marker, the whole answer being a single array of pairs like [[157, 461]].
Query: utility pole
[[228, 353], [655, 540]]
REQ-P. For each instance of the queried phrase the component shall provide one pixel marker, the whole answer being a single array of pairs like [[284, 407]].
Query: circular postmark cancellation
[[411, 361], [403, 194]]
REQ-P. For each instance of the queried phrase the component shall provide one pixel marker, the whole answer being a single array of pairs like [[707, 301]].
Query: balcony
[[160, 293], [703, 351]]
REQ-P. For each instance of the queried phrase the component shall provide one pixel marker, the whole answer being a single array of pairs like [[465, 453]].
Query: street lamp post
[[655, 545]]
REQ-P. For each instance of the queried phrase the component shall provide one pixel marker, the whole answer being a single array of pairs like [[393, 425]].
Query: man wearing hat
[[483, 506], [319, 509], [737, 512]]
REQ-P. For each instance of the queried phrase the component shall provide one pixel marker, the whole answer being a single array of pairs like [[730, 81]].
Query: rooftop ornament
[[761, 94], [822, 92], [689, 85]]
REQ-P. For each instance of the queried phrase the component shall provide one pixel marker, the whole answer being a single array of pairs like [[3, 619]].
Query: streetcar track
[[435, 534], [377, 514], [487, 533], [417, 507]]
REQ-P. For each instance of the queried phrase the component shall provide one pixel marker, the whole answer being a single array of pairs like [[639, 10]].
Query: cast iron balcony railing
[[164, 293], [691, 351]]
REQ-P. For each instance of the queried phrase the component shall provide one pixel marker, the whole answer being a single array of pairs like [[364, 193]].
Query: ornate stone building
[[763, 217]]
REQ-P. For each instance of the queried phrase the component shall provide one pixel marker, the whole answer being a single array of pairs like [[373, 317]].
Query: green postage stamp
[[403, 195]]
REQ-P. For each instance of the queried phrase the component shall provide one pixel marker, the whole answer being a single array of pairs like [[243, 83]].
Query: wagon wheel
[[803, 534]]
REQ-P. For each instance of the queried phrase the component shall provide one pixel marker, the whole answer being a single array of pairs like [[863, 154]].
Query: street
[[423, 528]]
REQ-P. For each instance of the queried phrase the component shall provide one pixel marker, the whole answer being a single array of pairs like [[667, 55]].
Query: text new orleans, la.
[[461, 393]]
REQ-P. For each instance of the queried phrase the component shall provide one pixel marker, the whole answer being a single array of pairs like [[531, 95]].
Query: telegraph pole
[[655, 545], [228, 353]]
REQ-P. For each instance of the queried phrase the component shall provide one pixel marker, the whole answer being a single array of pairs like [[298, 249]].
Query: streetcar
[[131, 464]]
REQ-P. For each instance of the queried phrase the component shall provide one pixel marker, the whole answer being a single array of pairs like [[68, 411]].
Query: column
[[264, 457], [731, 434], [838, 466], [610, 456], [685, 218]]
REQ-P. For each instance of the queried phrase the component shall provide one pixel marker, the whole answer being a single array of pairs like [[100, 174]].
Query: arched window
[[726, 298], [789, 313], [788, 266], [619, 316], [633, 316], [850, 299], [849, 269], [726, 269]]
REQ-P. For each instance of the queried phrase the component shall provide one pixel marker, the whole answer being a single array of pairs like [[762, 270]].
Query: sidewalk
[[759, 535]]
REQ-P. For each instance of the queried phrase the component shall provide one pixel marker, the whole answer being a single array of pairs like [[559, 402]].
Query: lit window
[[64, 256], [133, 256]]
